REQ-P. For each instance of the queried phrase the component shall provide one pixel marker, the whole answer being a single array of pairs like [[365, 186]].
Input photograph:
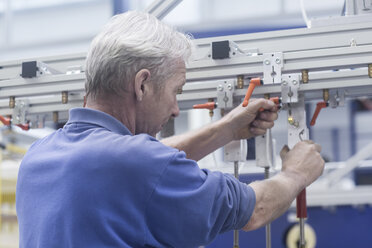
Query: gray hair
[[128, 43]]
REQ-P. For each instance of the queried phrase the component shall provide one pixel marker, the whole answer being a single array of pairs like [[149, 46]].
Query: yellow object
[[293, 237], [16, 149]]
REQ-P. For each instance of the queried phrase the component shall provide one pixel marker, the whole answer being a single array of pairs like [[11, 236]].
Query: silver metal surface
[[297, 131], [160, 8], [302, 233], [225, 91]]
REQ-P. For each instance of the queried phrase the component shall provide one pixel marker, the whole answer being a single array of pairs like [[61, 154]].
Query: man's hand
[[301, 166], [247, 122], [303, 162]]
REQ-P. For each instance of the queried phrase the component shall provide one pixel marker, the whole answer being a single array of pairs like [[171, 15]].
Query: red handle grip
[[24, 127], [301, 204], [252, 84], [207, 105], [319, 106], [5, 121]]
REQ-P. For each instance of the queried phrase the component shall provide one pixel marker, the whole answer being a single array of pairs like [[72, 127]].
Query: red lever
[[24, 127], [319, 106], [5, 121], [8, 122], [301, 204], [252, 84], [207, 105]]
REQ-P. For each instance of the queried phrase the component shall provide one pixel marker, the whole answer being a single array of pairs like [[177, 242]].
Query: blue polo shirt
[[94, 184]]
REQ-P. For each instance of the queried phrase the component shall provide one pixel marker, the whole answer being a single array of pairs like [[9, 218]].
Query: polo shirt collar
[[96, 117]]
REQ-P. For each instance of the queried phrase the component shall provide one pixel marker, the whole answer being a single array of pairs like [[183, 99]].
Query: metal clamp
[[290, 86], [20, 112], [272, 67], [337, 98], [225, 91]]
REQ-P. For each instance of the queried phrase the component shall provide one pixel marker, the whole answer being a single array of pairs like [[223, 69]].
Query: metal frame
[[337, 58]]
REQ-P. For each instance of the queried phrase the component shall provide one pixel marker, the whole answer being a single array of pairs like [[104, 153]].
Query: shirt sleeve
[[190, 207]]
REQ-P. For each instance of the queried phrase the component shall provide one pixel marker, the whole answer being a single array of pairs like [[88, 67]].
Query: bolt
[[294, 82], [229, 86], [278, 61], [220, 88], [285, 83], [267, 62]]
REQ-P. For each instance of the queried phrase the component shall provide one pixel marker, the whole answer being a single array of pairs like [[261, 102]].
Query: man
[[103, 180]]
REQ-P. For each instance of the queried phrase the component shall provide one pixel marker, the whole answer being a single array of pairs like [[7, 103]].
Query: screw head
[[229, 86], [278, 61], [219, 87], [285, 83], [267, 62], [294, 82]]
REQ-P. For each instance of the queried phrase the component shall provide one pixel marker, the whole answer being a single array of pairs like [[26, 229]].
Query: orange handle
[[252, 84], [5, 121], [319, 106], [8, 122], [301, 204], [207, 105]]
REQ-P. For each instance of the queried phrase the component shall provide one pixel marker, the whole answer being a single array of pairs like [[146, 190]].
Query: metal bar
[[284, 41], [160, 8]]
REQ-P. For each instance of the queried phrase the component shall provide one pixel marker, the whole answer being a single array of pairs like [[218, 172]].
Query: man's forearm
[[273, 198], [199, 143]]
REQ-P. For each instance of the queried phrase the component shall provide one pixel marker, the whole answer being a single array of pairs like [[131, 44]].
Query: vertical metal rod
[[236, 232], [268, 226], [302, 233]]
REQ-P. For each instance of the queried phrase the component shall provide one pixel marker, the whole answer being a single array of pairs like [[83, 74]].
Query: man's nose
[[176, 111]]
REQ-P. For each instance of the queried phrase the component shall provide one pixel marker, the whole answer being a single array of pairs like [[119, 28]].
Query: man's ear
[[140, 83]]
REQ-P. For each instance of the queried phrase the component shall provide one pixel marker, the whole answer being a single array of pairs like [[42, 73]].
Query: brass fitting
[[211, 112], [64, 97], [326, 95], [240, 83], [12, 102], [292, 121], [55, 117], [305, 76], [370, 70]]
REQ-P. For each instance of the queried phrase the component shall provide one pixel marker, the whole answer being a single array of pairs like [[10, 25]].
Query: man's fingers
[[263, 124], [317, 146], [284, 151], [268, 116], [256, 104]]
